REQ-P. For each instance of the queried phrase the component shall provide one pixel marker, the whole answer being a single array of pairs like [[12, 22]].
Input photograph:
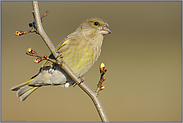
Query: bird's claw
[[74, 84], [59, 54], [82, 80]]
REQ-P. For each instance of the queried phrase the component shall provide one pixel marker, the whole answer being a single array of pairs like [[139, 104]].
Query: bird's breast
[[81, 56]]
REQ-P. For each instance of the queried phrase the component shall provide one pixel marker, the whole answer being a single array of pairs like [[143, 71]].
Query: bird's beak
[[105, 30]]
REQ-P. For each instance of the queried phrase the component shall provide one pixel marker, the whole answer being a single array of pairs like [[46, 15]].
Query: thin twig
[[44, 14], [20, 33], [41, 31], [82, 85]]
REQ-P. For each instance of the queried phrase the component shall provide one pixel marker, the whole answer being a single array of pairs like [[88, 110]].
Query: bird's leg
[[82, 80], [59, 55], [74, 84]]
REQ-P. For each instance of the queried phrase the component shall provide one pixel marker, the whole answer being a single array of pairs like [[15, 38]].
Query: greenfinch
[[80, 50]]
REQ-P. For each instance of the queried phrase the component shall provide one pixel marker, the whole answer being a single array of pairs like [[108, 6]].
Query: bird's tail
[[24, 90]]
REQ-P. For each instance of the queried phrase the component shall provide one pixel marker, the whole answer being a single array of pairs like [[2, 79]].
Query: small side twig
[[32, 25], [103, 70], [20, 33], [44, 15], [31, 52]]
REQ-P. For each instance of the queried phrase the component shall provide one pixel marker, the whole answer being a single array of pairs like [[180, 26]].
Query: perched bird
[[80, 50]]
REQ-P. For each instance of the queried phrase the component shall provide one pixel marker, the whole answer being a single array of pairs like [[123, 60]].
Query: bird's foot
[[59, 55], [82, 80]]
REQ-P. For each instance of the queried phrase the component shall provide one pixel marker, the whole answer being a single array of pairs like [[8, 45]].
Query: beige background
[[143, 57]]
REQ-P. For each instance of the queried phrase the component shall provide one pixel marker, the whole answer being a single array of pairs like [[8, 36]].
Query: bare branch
[[64, 66], [41, 31]]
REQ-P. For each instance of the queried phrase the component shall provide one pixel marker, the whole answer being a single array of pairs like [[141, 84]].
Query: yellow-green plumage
[[80, 50]]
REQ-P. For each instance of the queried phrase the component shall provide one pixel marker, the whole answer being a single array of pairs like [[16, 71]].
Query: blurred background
[[142, 55]]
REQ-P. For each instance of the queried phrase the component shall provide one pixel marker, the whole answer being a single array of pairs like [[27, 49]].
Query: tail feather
[[27, 93], [24, 90], [16, 88]]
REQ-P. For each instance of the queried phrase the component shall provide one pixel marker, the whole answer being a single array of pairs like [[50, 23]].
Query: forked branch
[[92, 94]]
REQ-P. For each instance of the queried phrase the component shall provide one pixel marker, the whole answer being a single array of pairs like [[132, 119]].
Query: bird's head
[[96, 25]]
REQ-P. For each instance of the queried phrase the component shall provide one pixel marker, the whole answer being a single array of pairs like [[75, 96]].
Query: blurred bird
[[80, 51]]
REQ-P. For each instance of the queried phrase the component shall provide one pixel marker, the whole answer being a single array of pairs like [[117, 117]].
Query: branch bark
[[66, 68]]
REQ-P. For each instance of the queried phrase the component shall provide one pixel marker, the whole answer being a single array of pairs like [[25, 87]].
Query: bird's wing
[[62, 47]]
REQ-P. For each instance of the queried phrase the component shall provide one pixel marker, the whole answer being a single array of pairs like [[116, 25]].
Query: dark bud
[[30, 24]]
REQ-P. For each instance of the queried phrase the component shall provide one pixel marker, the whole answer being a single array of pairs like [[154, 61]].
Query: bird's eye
[[96, 23]]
